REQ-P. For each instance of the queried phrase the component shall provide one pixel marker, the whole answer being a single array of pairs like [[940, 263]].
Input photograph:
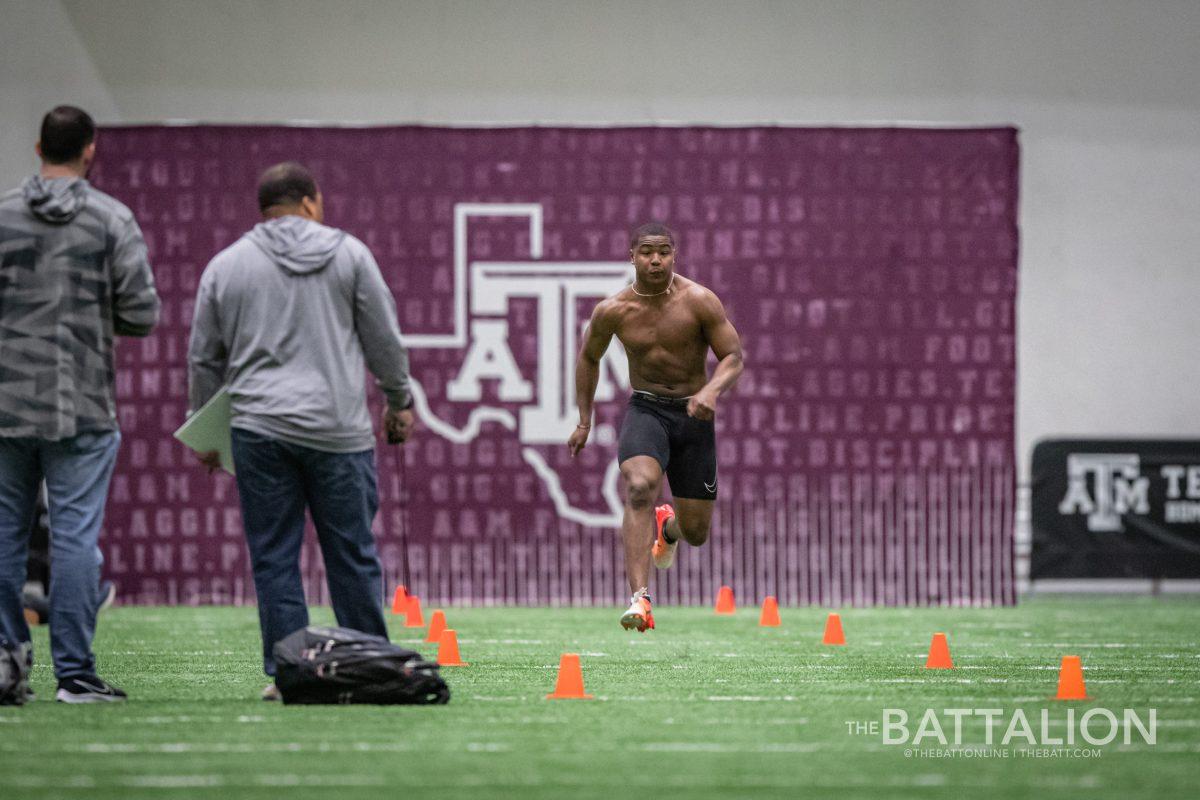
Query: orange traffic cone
[[400, 600], [725, 601], [769, 618], [1070, 680], [939, 653], [448, 650], [436, 625], [833, 630], [570, 680], [412, 616]]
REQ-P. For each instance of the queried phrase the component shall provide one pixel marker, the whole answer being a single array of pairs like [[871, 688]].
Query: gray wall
[[1106, 93]]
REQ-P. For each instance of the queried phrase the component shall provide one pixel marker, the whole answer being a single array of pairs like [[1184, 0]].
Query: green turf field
[[705, 706]]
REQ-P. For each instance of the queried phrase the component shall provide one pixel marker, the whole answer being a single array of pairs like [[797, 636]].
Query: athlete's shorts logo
[[482, 293]]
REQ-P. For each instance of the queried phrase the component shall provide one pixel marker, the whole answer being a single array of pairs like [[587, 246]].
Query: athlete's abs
[[666, 350]]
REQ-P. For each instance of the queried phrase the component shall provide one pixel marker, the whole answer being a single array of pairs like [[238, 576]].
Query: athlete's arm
[[587, 373], [723, 338]]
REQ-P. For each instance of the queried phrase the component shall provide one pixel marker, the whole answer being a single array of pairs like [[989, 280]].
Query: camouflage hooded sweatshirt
[[288, 316], [73, 272]]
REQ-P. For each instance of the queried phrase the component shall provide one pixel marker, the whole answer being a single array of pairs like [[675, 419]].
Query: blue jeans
[[77, 472], [276, 481]]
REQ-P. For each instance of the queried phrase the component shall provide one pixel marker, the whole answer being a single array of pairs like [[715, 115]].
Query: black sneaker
[[87, 689]]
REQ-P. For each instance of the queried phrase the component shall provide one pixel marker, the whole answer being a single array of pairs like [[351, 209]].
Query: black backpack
[[317, 665]]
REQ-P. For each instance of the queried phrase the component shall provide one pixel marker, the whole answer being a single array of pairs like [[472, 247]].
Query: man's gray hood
[[55, 200], [297, 244]]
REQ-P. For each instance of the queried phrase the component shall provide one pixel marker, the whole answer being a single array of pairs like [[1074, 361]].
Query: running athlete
[[667, 324]]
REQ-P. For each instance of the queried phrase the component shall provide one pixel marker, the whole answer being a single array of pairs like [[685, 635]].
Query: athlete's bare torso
[[664, 336]]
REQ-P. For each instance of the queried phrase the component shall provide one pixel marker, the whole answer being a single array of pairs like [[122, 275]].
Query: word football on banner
[[866, 455], [1116, 508]]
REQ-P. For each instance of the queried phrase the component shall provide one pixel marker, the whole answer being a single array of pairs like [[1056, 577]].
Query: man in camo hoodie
[[73, 273]]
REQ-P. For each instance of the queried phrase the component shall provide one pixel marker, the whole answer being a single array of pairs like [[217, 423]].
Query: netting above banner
[[866, 455]]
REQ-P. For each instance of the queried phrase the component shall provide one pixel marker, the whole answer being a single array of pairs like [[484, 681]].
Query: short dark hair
[[66, 130], [651, 229], [285, 184]]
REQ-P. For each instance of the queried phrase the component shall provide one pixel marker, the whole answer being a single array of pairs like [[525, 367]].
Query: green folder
[[208, 429]]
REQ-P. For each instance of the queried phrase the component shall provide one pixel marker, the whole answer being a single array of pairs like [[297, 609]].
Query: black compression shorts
[[685, 447]]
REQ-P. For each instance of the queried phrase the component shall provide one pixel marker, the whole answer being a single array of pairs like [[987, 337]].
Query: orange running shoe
[[638, 616], [663, 551]]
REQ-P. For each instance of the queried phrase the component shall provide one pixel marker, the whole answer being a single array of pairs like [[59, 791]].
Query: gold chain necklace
[[654, 294]]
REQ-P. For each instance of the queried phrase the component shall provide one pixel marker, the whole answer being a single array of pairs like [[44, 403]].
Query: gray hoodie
[[73, 273], [287, 316]]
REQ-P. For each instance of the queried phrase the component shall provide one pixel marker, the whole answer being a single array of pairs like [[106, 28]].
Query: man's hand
[[703, 404], [211, 460], [578, 439], [398, 425]]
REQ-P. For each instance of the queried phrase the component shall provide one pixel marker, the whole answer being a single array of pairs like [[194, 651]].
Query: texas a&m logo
[[483, 291], [1105, 486]]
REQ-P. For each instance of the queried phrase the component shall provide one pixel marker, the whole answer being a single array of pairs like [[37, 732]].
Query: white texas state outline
[[474, 426]]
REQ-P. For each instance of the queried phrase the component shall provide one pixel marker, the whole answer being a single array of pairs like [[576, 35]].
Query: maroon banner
[[866, 456]]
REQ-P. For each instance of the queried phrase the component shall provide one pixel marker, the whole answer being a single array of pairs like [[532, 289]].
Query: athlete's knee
[[695, 531], [641, 490]]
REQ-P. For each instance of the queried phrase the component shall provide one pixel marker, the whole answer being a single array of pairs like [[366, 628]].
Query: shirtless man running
[[667, 324]]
